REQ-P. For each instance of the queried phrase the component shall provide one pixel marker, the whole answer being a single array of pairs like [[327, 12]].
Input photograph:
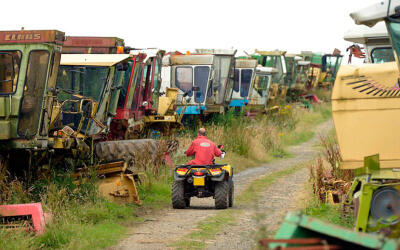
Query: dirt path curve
[[170, 225]]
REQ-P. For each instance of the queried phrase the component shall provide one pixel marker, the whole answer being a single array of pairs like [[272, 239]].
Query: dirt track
[[170, 225]]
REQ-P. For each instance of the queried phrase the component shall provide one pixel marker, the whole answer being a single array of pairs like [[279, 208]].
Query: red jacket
[[203, 150]]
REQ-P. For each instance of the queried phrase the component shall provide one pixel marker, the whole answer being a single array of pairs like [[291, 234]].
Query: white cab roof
[[361, 34], [107, 60], [375, 13]]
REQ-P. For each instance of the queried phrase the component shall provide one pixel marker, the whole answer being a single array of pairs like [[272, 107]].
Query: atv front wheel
[[221, 195], [178, 195], [231, 192]]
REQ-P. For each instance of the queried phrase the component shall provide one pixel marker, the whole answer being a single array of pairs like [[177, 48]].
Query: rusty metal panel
[[230, 52], [192, 59], [92, 45], [271, 53], [245, 63], [32, 36]]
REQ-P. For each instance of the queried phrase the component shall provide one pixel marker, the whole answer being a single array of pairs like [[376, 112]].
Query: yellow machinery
[[366, 112]]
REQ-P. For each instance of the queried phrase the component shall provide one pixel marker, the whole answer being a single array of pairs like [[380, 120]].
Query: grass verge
[[329, 212]]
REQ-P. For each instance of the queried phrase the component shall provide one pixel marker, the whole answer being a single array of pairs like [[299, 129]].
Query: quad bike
[[202, 181]]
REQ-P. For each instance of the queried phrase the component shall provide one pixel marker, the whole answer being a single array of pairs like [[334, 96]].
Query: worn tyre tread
[[231, 193], [221, 195], [178, 195]]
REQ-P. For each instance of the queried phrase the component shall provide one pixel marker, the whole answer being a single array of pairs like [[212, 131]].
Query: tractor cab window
[[245, 80], [35, 83], [123, 94], [184, 79], [87, 81], [119, 82], [236, 86], [382, 55], [9, 68], [201, 76], [262, 82], [275, 62], [157, 73], [220, 83]]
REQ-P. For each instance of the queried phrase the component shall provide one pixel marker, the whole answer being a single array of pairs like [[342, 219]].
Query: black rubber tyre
[[231, 192], [221, 195], [187, 202], [178, 195]]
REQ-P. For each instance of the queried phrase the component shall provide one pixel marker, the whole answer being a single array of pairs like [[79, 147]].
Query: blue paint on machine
[[192, 110], [238, 103]]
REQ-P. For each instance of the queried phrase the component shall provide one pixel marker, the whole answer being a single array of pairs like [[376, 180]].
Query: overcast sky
[[291, 25]]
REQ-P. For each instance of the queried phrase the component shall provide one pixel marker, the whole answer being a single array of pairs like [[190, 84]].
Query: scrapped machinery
[[299, 231], [375, 41], [275, 59], [58, 116], [158, 107], [204, 80], [141, 108], [323, 69], [297, 75], [259, 91], [244, 78], [366, 107]]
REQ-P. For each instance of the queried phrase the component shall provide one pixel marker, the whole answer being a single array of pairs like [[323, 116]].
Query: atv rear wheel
[[231, 192], [178, 195], [221, 195]]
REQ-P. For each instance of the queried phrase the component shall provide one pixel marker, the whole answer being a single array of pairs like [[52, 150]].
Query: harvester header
[[31, 36]]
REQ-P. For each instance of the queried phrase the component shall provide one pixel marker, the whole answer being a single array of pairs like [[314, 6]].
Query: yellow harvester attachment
[[366, 112]]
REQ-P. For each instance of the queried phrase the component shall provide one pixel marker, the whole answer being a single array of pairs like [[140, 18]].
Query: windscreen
[[222, 67], [262, 82], [246, 75], [137, 98], [88, 81], [275, 62], [290, 69], [123, 94], [236, 86], [9, 68], [36, 76], [382, 55], [184, 79], [201, 76]]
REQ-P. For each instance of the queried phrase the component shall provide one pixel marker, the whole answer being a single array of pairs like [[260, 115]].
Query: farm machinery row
[[91, 103]]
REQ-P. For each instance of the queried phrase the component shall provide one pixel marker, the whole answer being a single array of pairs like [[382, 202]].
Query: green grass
[[93, 224], [330, 213], [207, 229]]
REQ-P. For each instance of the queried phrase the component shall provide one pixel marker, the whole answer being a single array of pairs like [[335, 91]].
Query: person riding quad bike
[[201, 177]]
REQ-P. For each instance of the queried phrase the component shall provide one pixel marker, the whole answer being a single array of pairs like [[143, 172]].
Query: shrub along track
[[169, 225]]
